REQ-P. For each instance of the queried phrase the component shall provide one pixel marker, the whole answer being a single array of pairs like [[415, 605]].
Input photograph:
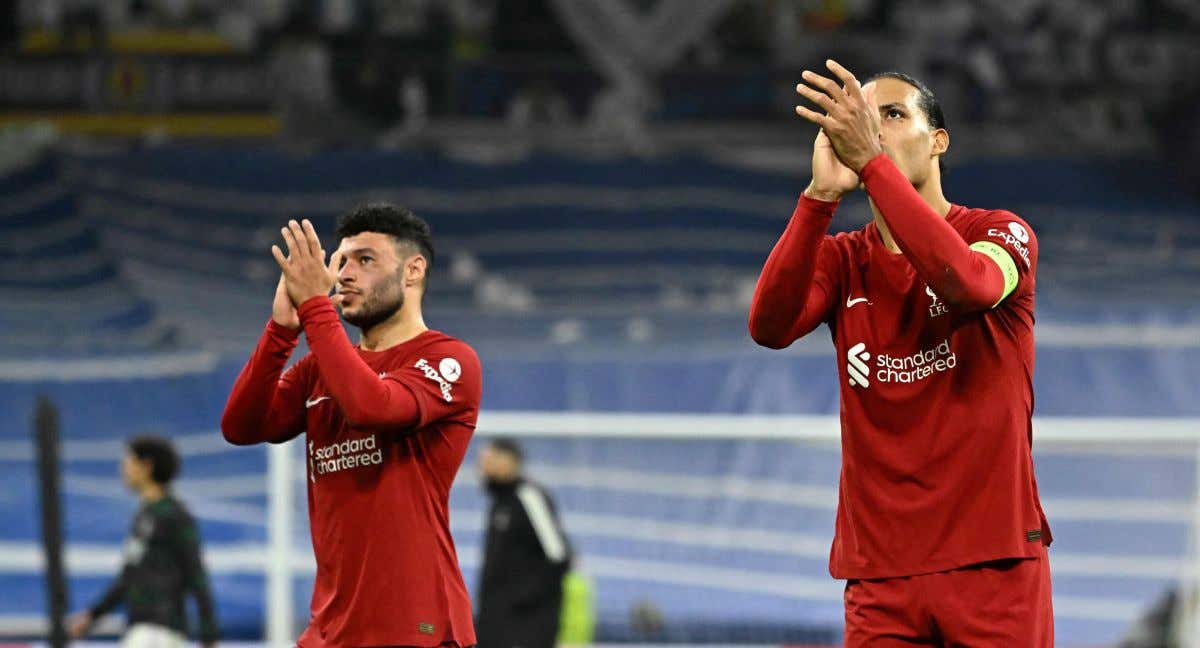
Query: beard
[[381, 304]]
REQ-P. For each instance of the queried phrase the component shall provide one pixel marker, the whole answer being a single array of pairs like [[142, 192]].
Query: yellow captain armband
[[1008, 267]]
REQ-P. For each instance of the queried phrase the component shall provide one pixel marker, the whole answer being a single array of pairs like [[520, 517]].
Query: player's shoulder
[[300, 367], [1000, 227], [530, 488], [172, 508], [433, 340], [853, 245], [533, 485], [849, 240], [975, 219], [448, 352]]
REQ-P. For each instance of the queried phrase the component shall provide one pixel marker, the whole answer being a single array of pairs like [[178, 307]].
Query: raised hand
[[283, 311], [830, 178], [78, 624], [305, 274], [851, 121]]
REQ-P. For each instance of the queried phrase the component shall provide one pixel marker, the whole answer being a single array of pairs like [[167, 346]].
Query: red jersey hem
[[313, 639], [1037, 551]]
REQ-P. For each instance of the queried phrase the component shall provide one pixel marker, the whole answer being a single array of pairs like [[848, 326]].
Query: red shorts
[[1000, 603]]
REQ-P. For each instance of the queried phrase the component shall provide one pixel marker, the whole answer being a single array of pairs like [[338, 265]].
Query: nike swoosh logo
[[851, 302], [314, 401]]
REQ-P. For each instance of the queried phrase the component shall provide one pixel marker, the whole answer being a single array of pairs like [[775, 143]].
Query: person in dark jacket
[[162, 561], [525, 556]]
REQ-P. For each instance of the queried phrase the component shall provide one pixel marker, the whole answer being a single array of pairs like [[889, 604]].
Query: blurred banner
[[123, 94], [126, 41]]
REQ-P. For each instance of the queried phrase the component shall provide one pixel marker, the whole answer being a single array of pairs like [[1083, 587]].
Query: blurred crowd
[[1107, 73]]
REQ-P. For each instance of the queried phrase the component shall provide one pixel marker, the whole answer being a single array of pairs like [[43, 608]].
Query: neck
[[404, 325], [931, 192], [152, 492]]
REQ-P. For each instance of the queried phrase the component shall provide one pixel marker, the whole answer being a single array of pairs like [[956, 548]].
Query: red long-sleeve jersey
[[386, 433], [935, 354]]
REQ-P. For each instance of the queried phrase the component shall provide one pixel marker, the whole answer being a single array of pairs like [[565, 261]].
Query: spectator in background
[[161, 558], [538, 105], [301, 66], [471, 21], [1162, 626], [525, 558], [82, 27]]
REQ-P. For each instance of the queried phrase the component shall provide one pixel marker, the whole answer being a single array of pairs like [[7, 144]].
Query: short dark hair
[[926, 101], [398, 222], [164, 461], [510, 447]]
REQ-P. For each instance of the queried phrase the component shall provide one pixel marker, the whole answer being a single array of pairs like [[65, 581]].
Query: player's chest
[[324, 419], [896, 335], [143, 535], [886, 303], [507, 523]]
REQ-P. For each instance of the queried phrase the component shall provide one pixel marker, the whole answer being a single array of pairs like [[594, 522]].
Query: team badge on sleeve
[[447, 372], [450, 369], [1019, 231]]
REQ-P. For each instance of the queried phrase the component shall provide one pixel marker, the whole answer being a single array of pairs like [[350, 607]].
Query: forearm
[[786, 303], [364, 399], [958, 274], [208, 630], [110, 599], [247, 418], [196, 581]]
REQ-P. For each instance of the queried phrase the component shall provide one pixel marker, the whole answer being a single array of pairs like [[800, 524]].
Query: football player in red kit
[[387, 424], [940, 534]]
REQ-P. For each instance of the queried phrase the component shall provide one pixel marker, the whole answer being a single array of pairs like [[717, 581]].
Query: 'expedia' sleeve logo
[[1016, 237], [450, 372]]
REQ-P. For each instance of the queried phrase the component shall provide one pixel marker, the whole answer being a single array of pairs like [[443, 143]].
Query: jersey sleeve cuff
[[811, 208], [316, 308], [874, 167], [282, 337]]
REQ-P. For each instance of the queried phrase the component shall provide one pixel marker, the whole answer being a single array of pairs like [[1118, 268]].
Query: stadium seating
[[533, 250]]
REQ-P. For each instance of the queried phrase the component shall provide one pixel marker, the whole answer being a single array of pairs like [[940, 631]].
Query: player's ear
[[414, 270], [941, 141]]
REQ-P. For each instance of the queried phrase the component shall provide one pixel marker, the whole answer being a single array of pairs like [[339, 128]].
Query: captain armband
[[1008, 267]]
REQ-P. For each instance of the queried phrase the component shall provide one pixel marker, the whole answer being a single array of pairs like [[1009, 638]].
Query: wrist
[[823, 195], [872, 162], [314, 304], [286, 331], [871, 153]]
